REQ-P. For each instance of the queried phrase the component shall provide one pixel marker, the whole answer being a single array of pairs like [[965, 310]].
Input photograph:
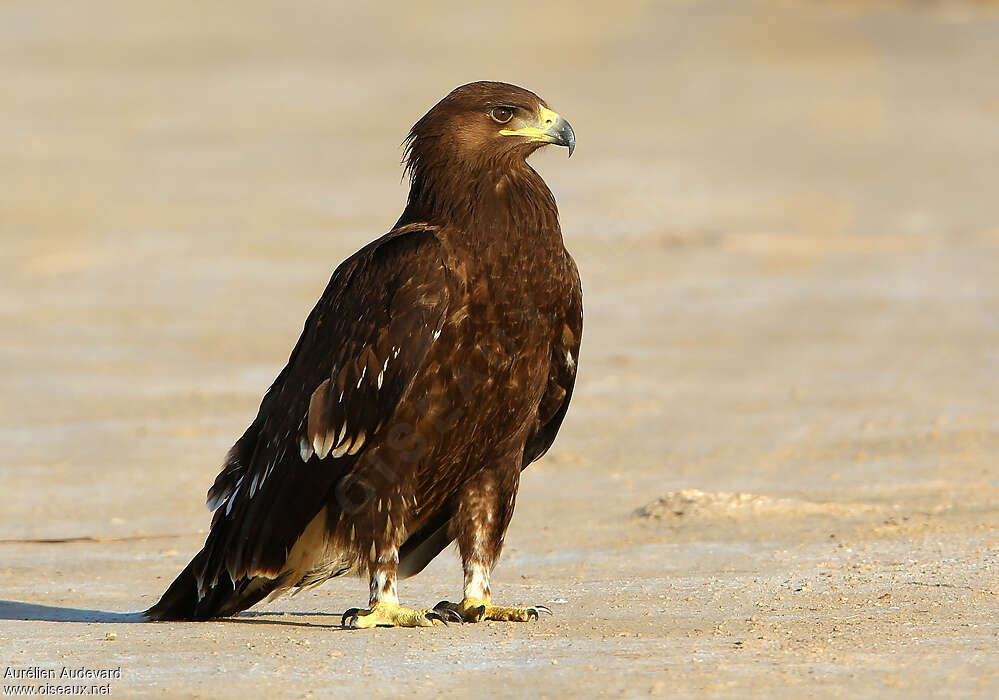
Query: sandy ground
[[779, 473]]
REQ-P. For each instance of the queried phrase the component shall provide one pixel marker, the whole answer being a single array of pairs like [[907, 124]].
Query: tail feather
[[182, 602]]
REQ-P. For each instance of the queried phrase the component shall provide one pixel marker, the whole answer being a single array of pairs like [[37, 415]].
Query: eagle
[[437, 365]]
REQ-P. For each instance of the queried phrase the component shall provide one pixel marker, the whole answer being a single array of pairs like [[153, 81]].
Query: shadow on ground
[[17, 610]]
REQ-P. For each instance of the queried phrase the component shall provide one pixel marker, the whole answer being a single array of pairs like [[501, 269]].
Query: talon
[[544, 609], [453, 614], [450, 610], [434, 615], [349, 613], [532, 614]]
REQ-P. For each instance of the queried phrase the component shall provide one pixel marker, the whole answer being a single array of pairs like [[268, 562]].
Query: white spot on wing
[[358, 444], [319, 444], [342, 449], [232, 498], [305, 449], [568, 359]]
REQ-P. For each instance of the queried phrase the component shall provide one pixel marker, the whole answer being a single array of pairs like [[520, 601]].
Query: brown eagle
[[437, 365]]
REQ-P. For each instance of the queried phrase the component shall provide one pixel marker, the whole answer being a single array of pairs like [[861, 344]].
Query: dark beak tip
[[569, 137]]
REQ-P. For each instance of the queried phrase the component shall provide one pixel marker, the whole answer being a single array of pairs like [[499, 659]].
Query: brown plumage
[[438, 363]]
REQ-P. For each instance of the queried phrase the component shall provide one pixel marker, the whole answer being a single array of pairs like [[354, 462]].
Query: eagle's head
[[483, 125]]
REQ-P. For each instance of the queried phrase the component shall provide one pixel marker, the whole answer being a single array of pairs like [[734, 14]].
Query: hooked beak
[[563, 134], [553, 129]]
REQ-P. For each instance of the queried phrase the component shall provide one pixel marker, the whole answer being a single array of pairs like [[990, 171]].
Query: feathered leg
[[484, 513]]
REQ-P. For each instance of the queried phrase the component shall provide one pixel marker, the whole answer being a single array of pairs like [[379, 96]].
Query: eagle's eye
[[501, 115]]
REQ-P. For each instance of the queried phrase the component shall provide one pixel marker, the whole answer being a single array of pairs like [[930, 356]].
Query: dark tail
[[225, 598]]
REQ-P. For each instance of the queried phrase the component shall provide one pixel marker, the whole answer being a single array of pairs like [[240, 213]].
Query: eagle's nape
[[438, 364]]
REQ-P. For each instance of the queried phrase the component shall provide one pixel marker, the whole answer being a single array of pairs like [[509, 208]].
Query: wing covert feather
[[362, 346]]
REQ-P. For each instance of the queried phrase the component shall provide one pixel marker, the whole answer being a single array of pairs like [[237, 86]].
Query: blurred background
[[784, 214]]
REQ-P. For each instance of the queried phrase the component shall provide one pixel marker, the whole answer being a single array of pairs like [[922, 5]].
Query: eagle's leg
[[383, 604], [485, 508]]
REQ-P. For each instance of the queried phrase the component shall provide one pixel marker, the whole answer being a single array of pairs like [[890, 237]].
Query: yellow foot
[[392, 615], [475, 609]]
